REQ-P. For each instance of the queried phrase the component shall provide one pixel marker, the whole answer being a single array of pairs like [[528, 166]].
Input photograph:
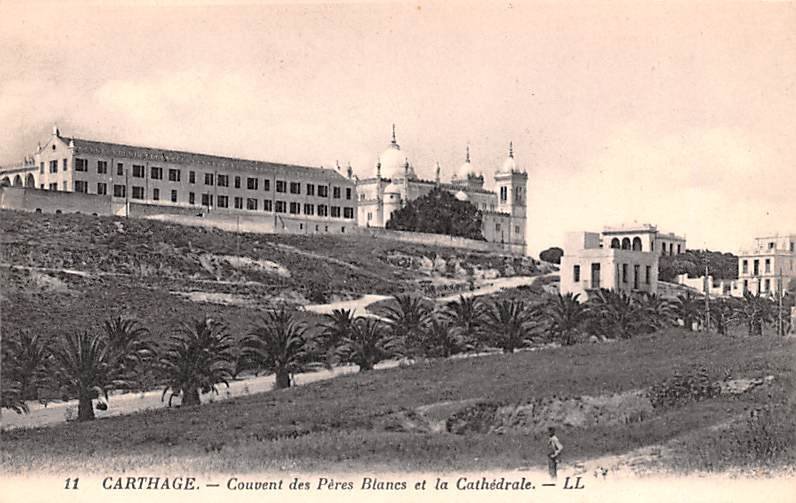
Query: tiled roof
[[194, 159]]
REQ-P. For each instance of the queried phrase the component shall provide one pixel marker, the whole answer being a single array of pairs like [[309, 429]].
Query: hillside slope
[[70, 272], [445, 415]]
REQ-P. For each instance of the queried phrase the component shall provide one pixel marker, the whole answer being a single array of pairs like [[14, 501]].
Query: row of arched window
[[17, 182], [626, 244]]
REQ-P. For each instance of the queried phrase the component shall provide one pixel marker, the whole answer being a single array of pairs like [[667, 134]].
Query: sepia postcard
[[397, 251]]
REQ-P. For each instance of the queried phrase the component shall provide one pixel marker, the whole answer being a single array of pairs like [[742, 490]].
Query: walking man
[[554, 449]]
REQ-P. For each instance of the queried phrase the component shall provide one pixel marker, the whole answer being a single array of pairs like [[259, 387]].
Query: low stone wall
[[716, 289], [47, 201], [444, 240], [51, 201], [671, 290], [243, 221]]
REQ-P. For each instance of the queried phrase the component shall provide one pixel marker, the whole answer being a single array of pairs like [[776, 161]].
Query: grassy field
[[343, 424]]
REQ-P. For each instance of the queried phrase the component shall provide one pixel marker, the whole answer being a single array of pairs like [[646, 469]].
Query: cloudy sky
[[679, 114]]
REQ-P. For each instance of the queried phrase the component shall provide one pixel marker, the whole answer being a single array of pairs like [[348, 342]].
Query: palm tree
[[757, 312], [26, 360], [10, 387], [129, 345], [84, 367], [724, 312], [566, 314], [509, 324], [406, 320], [196, 357], [466, 315], [614, 314], [441, 339], [280, 344], [656, 312], [369, 342], [688, 309], [127, 337], [338, 326]]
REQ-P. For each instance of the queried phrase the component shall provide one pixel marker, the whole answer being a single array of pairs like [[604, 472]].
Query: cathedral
[[394, 183]]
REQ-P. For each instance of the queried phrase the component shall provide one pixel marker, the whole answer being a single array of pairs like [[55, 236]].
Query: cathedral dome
[[393, 162]]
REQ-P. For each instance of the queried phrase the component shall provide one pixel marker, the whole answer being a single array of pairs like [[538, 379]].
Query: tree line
[[692, 262], [438, 212], [202, 354]]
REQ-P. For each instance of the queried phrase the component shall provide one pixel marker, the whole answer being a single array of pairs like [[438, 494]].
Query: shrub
[[552, 255], [763, 437], [680, 389], [762, 440], [477, 418]]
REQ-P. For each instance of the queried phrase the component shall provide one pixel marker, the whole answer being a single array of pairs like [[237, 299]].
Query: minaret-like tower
[[512, 188]]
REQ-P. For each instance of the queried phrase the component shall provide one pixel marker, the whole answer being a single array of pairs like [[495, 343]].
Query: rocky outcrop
[[464, 266], [534, 417]]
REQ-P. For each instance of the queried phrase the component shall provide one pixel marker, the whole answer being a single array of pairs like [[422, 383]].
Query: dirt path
[[128, 403], [494, 286], [644, 461], [73, 272], [359, 306]]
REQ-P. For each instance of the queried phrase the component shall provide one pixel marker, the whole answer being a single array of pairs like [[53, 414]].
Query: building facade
[[588, 265], [291, 198], [394, 183], [643, 237], [768, 267]]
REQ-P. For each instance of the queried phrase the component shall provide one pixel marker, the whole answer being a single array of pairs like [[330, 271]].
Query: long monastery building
[[68, 174]]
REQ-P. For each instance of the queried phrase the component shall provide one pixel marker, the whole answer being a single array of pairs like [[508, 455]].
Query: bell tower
[[511, 184]]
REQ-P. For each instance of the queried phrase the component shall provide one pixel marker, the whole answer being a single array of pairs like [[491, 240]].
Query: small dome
[[509, 165], [392, 189], [466, 169], [462, 196]]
